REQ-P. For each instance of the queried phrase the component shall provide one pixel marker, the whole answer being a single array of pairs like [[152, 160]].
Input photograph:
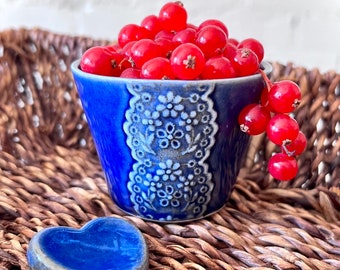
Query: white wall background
[[305, 32]]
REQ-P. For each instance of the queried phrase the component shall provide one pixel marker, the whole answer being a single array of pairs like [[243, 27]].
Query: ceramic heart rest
[[103, 243]]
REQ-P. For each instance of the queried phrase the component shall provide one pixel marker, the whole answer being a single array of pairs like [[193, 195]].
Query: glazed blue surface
[[102, 244], [170, 150]]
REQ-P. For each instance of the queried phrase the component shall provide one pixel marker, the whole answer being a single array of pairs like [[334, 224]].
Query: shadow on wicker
[[50, 175]]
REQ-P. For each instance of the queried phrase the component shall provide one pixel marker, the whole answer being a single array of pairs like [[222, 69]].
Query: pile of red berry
[[166, 46]]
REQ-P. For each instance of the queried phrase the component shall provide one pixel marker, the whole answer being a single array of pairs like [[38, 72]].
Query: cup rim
[[265, 66]]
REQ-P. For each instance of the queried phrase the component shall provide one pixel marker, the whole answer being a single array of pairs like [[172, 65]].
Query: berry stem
[[267, 81], [286, 151]]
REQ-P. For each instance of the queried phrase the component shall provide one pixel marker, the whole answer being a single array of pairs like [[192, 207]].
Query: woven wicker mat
[[50, 175]]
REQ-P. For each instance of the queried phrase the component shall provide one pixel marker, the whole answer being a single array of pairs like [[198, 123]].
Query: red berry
[[144, 50], [186, 35], [230, 51], [245, 62], [282, 129], [254, 45], [158, 68], [126, 51], [282, 167], [253, 119], [166, 45], [284, 96], [187, 61], [164, 34], [101, 60], [233, 41], [214, 22], [152, 24], [131, 32], [173, 16], [297, 146], [211, 40], [132, 73], [218, 68]]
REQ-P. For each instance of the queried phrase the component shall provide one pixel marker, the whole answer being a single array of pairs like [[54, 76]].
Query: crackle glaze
[[170, 150]]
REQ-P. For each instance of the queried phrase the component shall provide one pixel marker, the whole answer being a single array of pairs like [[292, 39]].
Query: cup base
[[176, 221]]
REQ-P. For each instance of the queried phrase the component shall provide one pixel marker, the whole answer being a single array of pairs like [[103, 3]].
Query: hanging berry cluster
[[272, 115]]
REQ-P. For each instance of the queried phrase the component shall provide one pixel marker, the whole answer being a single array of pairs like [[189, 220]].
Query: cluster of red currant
[[168, 47], [271, 115]]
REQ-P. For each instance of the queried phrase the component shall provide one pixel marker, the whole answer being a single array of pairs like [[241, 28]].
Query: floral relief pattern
[[170, 136]]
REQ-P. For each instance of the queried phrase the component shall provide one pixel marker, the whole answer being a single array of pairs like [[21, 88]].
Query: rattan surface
[[50, 174]]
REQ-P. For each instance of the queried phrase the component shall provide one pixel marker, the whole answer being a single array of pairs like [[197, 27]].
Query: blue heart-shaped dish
[[103, 243]]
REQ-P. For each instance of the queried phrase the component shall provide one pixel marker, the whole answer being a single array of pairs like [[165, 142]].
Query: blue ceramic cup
[[170, 149]]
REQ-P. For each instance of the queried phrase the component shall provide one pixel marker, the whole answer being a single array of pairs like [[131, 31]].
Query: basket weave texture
[[50, 174]]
